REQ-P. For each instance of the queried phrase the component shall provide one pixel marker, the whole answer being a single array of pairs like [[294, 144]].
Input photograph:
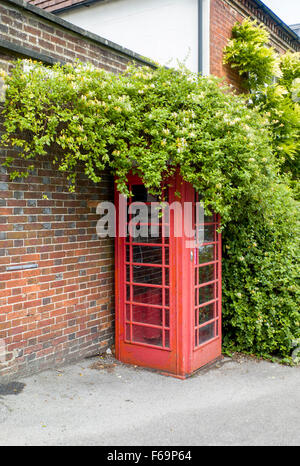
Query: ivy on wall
[[154, 121]]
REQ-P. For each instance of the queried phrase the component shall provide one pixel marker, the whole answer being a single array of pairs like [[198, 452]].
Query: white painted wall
[[162, 30]]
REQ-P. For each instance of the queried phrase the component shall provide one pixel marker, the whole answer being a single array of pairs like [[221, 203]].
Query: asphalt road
[[236, 403]]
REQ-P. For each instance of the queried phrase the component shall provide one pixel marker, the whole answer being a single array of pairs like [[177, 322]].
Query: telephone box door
[[207, 292], [145, 288]]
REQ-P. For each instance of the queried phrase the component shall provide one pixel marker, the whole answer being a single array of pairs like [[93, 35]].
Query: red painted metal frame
[[209, 350], [183, 356]]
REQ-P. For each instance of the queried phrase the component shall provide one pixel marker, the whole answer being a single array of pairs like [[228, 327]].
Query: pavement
[[98, 401]]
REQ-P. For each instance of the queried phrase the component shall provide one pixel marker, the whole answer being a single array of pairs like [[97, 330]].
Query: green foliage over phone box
[[154, 121]]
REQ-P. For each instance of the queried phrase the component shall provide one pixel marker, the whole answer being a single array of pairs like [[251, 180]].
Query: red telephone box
[[168, 285]]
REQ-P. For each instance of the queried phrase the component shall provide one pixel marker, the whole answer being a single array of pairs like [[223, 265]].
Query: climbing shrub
[[269, 246], [274, 82], [290, 69], [260, 276], [153, 121], [249, 53]]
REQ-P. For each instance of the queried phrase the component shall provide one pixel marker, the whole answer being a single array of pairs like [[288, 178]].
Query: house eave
[[276, 18]]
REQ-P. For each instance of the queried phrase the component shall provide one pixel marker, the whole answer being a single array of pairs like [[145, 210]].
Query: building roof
[[296, 28], [56, 5]]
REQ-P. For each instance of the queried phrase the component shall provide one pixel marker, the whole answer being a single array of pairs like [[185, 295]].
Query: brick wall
[[224, 14], [63, 308], [28, 28], [223, 17]]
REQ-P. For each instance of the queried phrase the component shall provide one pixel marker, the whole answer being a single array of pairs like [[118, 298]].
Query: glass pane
[[199, 213], [167, 282], [148, 335], [209, 233], [140, 194], [167, 297], [144, 274], [153, 235], [206, 313], [200, 234], [206, 253], [166, 233], [206, 293], [128, 273], [128, 332], [167, 256], [145, 254], [206, 273], [146, 315], [156, 213], [147, 235], [143, 223], [141, 294], [167, 318], [217, 308], [167, 338], [205, 233], [209, 218], [206, 333], [143, 233]]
